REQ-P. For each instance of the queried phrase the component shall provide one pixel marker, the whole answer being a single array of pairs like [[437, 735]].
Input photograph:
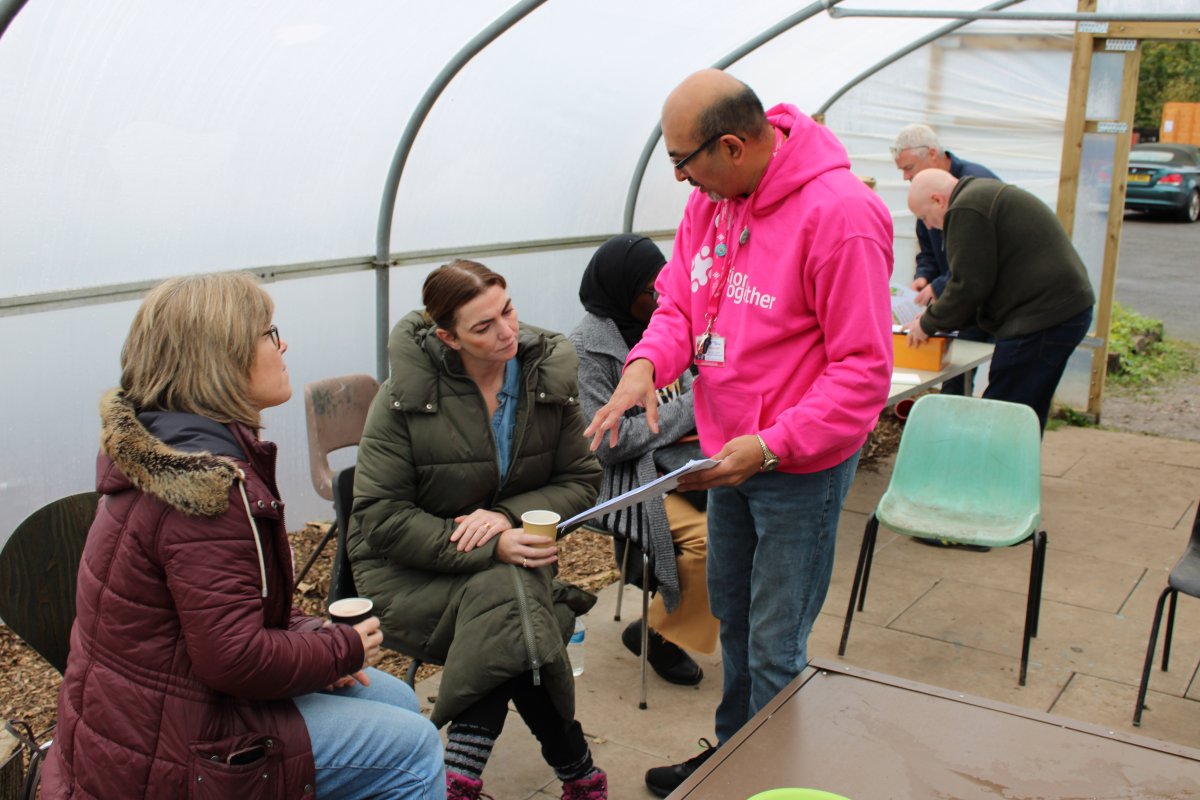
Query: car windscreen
[[1159, 157]]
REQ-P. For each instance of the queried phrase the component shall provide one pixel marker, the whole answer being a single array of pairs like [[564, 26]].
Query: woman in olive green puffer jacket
[[479, 423]]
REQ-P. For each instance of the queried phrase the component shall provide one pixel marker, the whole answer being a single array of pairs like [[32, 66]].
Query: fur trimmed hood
[[197, 484]]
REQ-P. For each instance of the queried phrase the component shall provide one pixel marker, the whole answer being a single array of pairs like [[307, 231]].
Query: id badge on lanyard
[[710, 350]]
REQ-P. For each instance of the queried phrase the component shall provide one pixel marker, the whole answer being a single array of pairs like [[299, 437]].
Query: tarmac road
[[1158, 273]]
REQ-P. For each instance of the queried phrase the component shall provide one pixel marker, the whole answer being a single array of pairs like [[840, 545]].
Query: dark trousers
[[1026, 369], [964, 384], [562, 740]]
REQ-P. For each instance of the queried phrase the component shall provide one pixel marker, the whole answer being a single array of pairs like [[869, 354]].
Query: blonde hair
[[192, 343]]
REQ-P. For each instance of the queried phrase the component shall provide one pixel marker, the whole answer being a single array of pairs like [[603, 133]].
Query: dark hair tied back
[[451, 286]]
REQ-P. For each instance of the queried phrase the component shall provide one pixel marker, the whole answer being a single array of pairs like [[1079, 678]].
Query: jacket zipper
[[527, 627]]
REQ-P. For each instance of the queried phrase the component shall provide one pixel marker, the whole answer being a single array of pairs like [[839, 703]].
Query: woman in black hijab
[[617, 291], [618, 284]]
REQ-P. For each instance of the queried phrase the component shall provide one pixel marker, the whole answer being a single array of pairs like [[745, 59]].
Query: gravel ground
[[29, 686]]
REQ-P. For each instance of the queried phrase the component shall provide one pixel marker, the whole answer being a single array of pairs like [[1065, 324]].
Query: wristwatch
[[770, 460]]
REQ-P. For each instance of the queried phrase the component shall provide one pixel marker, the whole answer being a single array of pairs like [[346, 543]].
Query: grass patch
[[1066, 417], [1143, 358]]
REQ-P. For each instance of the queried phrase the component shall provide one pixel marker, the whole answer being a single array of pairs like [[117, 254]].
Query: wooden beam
[[1072, 152], [1152, 30], [1112, 239]]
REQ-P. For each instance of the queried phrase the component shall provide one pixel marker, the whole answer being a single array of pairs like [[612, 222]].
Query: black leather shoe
[[972, 548], [664, 780], [668, 660]]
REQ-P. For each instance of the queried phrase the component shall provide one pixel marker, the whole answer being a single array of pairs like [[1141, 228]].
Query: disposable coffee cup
[[350, 610], [543, 523]]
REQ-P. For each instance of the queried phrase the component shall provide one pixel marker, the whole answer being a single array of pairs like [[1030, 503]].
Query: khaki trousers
[[692, 624]]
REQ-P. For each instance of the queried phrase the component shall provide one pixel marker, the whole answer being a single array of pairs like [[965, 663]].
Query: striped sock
[[468, 749], [583, 768]]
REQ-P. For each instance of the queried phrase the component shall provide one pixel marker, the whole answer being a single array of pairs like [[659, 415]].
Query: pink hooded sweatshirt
[[804, 311]]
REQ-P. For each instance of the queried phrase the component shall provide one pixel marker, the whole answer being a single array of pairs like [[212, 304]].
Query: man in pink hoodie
[[778, 291]]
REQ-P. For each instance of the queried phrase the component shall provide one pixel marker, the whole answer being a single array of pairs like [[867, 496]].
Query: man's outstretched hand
[[636, 388]]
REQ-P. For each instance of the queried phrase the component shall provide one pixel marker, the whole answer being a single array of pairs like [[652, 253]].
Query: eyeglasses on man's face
[[681, 163], [273, 333]]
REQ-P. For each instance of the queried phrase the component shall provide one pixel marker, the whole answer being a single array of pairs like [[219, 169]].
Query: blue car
[[1164, 178]]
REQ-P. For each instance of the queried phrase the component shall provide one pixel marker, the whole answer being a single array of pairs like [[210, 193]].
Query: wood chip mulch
[[29, 686]]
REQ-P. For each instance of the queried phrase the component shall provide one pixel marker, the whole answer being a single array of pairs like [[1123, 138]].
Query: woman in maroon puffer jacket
[[190, 674]]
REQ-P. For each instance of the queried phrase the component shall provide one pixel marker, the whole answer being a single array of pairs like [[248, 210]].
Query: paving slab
[[1168, 718], [1067, 441], [1071, 531], [939, 663], [1161, 504]]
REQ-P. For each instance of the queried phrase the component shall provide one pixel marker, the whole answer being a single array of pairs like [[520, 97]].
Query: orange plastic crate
[[929, 356]]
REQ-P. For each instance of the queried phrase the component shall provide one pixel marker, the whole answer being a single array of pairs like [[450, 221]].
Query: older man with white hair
[[916, 149]]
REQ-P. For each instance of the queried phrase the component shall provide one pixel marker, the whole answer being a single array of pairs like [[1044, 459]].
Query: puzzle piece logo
[[700, 266]]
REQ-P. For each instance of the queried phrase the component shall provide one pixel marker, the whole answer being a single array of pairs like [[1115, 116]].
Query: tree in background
[[1170, 73]]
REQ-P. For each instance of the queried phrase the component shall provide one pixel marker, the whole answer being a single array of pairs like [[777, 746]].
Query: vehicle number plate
[[1139, 178]]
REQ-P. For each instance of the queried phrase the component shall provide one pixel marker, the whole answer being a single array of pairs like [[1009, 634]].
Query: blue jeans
[[1026, 369], [371, 741], [770, 554]]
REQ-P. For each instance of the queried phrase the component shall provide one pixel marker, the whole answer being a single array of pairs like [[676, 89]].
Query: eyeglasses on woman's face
[[273, 333]]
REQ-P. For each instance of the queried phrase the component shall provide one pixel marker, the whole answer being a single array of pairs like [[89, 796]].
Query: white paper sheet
[[904, 306], [659, 486]]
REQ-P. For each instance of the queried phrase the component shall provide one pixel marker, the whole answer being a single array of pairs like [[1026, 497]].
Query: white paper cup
[[543, 523], [351, 610]]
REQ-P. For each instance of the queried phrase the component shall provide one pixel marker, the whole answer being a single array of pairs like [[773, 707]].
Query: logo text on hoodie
[[739, 289]]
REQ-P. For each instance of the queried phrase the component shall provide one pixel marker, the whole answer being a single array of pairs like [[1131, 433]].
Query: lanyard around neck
[[724, 253]]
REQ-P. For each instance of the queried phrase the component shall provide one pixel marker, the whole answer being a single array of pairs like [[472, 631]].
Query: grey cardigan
[[602, 353]]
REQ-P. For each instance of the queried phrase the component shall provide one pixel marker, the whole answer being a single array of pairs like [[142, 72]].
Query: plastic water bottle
[[575, 648]]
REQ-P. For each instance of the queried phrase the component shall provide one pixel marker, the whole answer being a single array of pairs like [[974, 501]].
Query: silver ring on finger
[[525, 563]]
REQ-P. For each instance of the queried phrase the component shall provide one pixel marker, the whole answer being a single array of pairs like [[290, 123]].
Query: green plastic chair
[[968, 471]]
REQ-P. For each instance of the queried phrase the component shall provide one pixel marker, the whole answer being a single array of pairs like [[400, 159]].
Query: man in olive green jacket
[[428, 455], [1014, 273]]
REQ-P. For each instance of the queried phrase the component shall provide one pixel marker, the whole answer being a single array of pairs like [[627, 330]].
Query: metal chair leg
[[1145, 684], [645, 624], [621, 581], [329, 534], [410, 677], [1033, 601], [873, 528], [1169, 631], [1041, 576], [864, 560]]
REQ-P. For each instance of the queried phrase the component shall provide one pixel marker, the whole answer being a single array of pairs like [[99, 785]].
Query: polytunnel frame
[[384, 260]]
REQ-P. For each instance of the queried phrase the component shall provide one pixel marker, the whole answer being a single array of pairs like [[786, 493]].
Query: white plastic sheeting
[[147, 138]]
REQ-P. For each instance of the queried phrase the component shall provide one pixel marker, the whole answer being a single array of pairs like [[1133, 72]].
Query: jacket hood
[[195, 483], [810, 151], [416, 356]]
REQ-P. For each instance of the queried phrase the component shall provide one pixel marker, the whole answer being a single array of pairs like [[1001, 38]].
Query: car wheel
[[1191, 211]]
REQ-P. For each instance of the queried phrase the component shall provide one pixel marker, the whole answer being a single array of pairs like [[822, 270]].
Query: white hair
[[915, 135]]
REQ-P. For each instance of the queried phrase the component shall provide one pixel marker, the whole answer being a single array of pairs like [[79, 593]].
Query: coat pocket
[[248, 767]]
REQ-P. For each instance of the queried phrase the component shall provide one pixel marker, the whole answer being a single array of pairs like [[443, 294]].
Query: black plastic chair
[[37, 574], [341, 577], [1184, 577], [37, 598]]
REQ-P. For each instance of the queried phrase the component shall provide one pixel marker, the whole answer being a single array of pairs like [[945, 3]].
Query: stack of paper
[[659, 486]]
